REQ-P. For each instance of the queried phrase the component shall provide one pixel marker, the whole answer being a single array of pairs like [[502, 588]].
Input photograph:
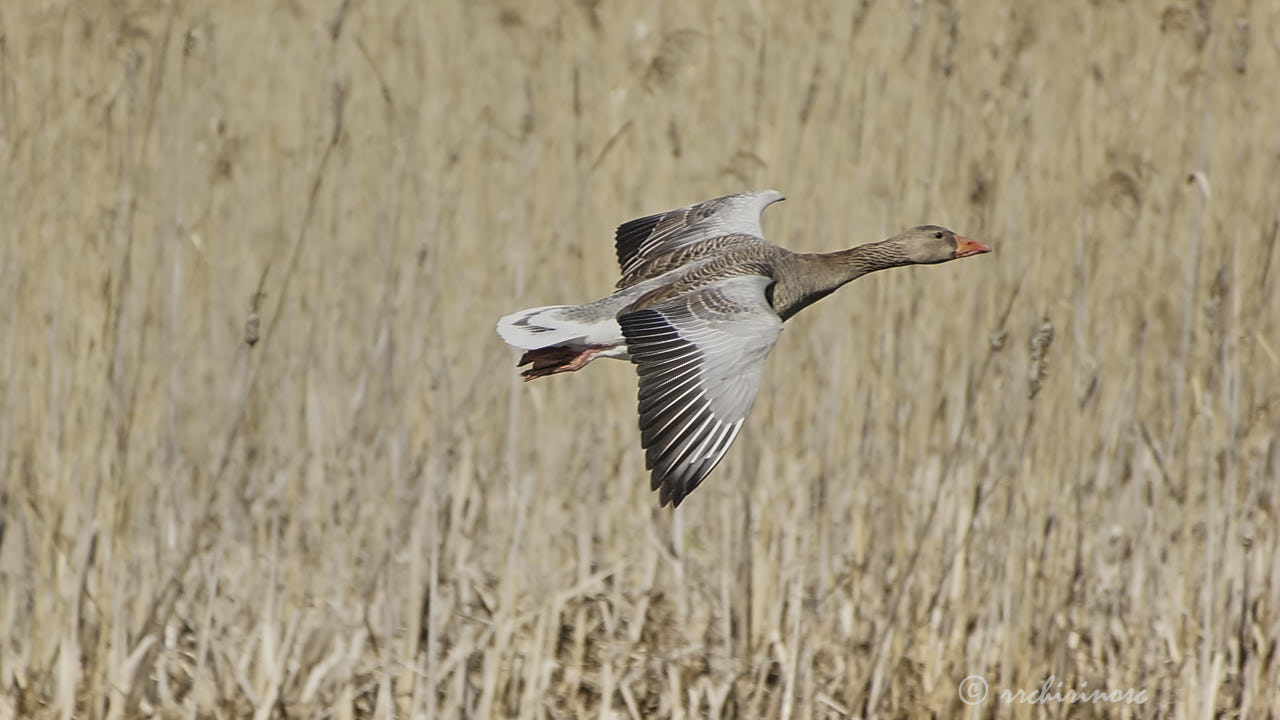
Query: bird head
[[929, 244]]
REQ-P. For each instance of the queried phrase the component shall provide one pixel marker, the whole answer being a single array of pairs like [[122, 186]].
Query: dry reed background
[[366, 515]]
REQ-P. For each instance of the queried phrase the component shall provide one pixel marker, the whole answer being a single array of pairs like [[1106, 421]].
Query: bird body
[[699, 306]]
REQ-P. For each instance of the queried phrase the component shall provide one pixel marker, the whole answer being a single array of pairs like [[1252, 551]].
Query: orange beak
[[968, 246]]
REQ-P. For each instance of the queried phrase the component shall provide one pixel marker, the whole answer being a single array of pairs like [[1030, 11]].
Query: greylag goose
[[700, 304]]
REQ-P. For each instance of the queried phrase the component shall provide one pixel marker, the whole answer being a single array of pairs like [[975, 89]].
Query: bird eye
[[938, 235]]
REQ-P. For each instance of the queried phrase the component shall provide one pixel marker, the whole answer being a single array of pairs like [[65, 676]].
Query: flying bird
[[700, 304]]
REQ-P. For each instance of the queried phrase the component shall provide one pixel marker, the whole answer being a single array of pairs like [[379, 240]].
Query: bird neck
[[809, 277]]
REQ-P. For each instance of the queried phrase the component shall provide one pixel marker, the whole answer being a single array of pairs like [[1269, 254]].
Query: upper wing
[[700, 358], [646, 238]]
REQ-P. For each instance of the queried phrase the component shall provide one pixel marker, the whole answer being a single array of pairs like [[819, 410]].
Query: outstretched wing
[[700, 358], [643, 239]]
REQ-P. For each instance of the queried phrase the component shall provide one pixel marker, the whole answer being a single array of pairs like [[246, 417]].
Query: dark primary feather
[[649, 246], [640, 237], [699, 357], [675, 417]]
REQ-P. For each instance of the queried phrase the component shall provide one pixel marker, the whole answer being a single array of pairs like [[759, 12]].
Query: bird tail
[[560, 338], [540, 327]]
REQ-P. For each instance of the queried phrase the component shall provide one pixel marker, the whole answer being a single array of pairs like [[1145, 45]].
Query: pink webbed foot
[[553, 360]]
